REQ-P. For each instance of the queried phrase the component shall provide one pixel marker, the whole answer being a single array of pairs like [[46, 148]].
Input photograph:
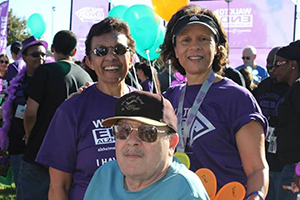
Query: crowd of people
[[84, 130]]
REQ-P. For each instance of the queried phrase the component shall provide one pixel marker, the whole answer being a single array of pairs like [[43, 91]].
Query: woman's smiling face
[[195, 49]]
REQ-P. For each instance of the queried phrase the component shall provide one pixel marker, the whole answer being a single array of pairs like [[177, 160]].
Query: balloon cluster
[[146, 25], [36, 25]]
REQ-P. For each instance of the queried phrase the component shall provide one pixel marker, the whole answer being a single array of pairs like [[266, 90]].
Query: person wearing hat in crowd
[[82, 143], [51, 84], [220, 124], [144, 128], [12, 132], [269, 95], [18, 63], [287, 69]]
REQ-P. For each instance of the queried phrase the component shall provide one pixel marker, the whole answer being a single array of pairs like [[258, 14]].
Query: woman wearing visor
[[76, 143], [220, 124]]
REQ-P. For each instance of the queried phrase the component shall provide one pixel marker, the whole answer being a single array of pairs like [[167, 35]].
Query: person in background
[[85, 144], [144, 127], [148, 77], [216, 131], [234, 75], [91, 72], [247, 76], [248, 56], [287, 69], [165, 77], [4, 62], [269, 95], [18, 63], [51, 84], [12, 132]]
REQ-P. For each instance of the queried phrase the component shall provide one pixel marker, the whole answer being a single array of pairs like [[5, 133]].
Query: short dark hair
[[15, 47], [220, 59], [64, 42], [108, 25]]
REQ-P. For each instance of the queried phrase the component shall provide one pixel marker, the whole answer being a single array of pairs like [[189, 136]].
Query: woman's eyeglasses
[[246, 57], [146, 133], [37, 54], [4, 61], [119, 49]]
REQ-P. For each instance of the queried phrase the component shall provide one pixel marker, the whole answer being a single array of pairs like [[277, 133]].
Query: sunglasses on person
[[246, 57], [37, 54], [4, 61], [119, 49], [278, 63], [145, 132]]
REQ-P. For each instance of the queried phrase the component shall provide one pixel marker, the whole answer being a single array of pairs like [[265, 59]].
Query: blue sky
[[61, 15]]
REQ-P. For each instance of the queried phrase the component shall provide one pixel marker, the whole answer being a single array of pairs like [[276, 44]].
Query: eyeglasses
[[119, 49], [278, 63], [146, 133], [37, 54], [246, 57], [4, 61]]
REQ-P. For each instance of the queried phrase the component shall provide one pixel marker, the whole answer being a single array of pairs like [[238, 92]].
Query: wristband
[[258, 193]]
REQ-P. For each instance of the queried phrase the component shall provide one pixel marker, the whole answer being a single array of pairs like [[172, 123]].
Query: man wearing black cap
[[287, 69], [16, 66], [144, 128], [269, 95]]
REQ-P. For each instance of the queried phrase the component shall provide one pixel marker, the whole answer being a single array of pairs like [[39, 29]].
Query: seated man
[[144, 128]]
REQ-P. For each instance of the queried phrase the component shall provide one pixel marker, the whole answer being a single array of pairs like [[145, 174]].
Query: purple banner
[[84, 15], [263, 24], [3, 27]]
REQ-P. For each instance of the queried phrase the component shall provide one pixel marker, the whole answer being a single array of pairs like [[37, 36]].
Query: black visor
[[185, 21]]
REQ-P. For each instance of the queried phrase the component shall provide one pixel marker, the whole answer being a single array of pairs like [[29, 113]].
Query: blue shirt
[[178, 183], [262, 72]]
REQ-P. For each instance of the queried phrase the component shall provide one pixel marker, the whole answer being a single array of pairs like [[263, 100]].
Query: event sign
[[84, 15], [263, 24]]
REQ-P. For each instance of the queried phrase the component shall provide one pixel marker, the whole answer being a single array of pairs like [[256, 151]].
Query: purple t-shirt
[[76, 142], [147, 85], [225, 109]]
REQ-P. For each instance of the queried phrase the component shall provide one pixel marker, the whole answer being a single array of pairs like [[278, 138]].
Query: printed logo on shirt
[[201, 126], [102, 135], [102, 161]]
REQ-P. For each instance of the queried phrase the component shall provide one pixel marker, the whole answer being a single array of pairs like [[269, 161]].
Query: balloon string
[[152, 71], [136, 81]]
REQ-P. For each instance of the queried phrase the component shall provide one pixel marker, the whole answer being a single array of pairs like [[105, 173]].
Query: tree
[[16, 28]]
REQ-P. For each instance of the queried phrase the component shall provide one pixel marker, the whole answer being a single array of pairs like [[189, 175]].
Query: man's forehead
[[247, 52]]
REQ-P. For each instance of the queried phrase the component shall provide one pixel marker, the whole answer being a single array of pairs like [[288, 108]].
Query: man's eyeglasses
[[145, 132], [278, 63], [246, 57], [4, 61], [37, 54], [119, 49]]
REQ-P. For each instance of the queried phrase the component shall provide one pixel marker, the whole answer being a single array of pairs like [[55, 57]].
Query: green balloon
[[154, 51], [117, 11], [136, 12], [36, 25], [145, 32]]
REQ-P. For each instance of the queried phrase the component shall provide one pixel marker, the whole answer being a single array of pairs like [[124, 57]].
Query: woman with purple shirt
[[220, 124], [76, 143], [148, 77]]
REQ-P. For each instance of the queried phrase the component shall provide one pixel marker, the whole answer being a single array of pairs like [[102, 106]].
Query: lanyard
[[183, 129]]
